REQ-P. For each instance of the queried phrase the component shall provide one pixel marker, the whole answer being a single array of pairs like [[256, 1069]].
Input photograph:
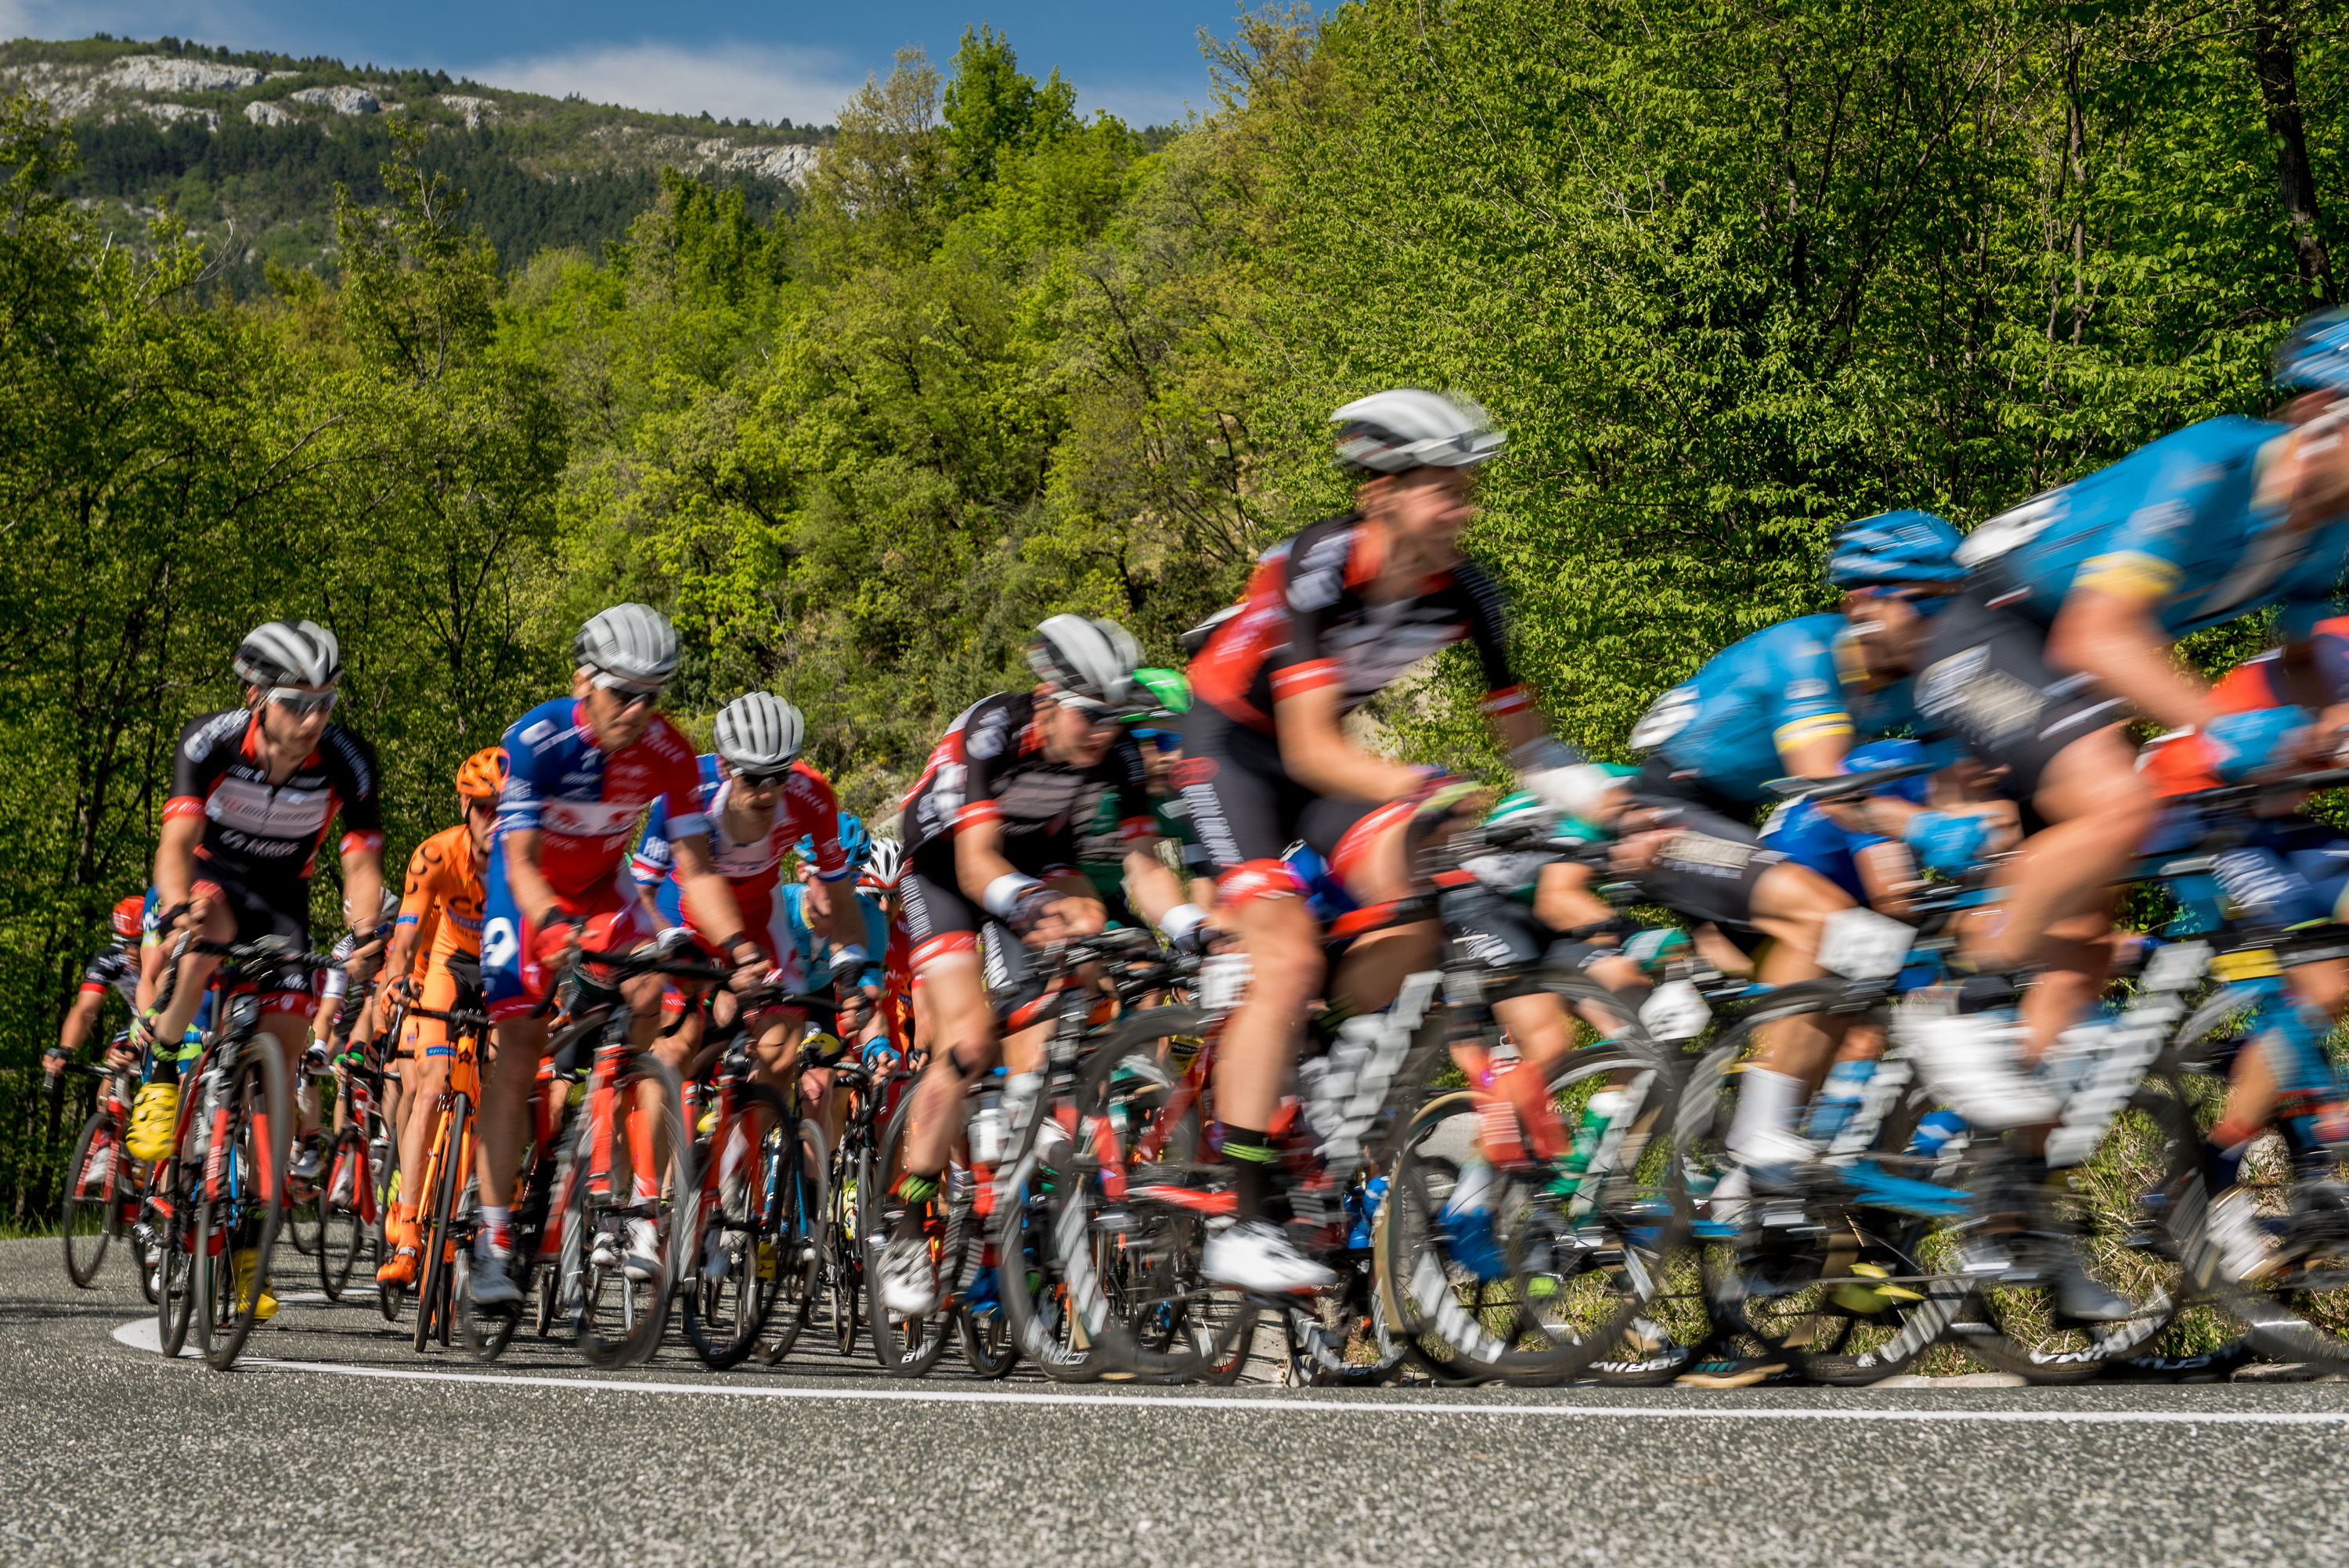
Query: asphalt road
[[339, 1445]]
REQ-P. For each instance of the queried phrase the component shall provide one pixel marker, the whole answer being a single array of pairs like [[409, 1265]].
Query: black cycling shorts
[[1707, 870], [267, 908], [1243, 805], [1984, 680], [939, 920]]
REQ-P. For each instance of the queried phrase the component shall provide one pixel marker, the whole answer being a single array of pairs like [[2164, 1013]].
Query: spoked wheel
[[733, 1267], [306, 1217], [618, 1316], [1170, 1324], [92, 1210], [437, 1280], [1533, 1275], [908, 1346], [800, 1191], [987, 1344], [345, 1232], [248, 1134], [1038, 1303], [175, 1295], [1339, 1338]]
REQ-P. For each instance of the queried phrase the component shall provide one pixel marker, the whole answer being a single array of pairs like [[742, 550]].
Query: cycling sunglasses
[[762, 780], [1099, 714], [299, 703], [628, 695]]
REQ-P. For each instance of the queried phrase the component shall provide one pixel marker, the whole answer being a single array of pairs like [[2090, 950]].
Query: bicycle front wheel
[[623, 1302], [906, 1345], [734, 1264], [344, 1229], [248, 1135], [92, 1211]]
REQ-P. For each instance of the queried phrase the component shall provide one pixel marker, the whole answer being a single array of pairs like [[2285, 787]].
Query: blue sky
[[737, 60]]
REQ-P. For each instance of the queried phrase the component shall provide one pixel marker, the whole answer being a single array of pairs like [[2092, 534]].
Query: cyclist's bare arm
[[2118, 640], [175, 859], [980, 864], [1316, 753], [78, 1019], [839, 918], [1153, 888], [362, 900]]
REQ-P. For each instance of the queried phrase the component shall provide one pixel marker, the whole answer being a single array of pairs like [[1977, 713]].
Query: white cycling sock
[[1767, 1104], [495, 1217]]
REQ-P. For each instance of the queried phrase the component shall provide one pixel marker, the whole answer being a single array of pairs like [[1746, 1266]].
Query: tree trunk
[[2274, 61]]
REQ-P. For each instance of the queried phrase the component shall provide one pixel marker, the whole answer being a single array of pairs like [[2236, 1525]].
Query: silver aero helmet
[[759, 734], [1086, 658], [883, 864], [289, 653], [631, 642], [1394, 431]]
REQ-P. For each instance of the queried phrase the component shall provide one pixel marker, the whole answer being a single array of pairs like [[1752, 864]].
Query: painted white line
[[1301, 1406], [146, 1334]]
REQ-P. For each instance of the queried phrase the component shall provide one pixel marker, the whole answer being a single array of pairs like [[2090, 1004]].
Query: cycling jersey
[[992, 768], [444, 893], [582, 804], [263, 834], [2183, 764], [1807, 836], [1730, 726], [815, 949], [115, 969], [1305, 623], [804, 806], [2173, 524]]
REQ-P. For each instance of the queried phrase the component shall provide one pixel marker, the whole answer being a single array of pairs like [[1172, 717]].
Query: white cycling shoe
[[2248, 1251], [491, 1282], [642, 1261], [1973, 1062], [1255, 1256], [909, 1285]]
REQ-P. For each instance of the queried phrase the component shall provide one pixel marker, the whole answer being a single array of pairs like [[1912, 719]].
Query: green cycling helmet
[[1168, 688]]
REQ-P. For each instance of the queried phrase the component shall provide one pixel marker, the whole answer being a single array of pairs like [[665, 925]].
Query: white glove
[[1563, 781]]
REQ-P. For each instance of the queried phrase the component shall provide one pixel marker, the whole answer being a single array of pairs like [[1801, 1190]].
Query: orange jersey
[[444, 893]]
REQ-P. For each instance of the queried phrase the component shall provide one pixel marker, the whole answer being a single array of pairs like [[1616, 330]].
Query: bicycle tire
[[909, 1348], [725, 1311], [844, 1255], [435, 1291], [1168, 1325], [1050, 1333], [800, 1193], [89, 1199], [988, 1347], [175, 1262], [257, 1122], [622, 1329], [344, 1234]]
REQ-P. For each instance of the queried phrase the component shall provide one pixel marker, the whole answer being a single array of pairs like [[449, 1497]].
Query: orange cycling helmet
[[127, 915], [482, 774]]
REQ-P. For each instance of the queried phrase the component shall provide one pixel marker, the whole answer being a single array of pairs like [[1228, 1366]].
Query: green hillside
[[246, 147]]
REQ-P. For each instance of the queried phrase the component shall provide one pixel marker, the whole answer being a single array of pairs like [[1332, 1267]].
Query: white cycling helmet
[[759, 734], [1090, 659], [883, 864], [289, 653], [1394, 431], [632, 642]]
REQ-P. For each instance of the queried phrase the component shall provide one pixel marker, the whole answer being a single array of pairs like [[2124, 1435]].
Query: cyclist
[[849, 972], [991, 873], [757, 796], [440, 921], [2066, 631], [580, 770], [115, 969], [1100, 851], [254, 790], [1330, 617]]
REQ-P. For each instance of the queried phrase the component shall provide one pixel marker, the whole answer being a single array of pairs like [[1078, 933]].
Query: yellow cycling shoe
[[248, 1263], [154, 1117]]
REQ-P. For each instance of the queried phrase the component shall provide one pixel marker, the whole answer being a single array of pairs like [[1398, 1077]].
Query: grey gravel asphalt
[[113, 1455]]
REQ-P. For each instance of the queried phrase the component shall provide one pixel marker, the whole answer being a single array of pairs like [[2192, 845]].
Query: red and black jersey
[[267, 832], [992, 768], [1305, 623]]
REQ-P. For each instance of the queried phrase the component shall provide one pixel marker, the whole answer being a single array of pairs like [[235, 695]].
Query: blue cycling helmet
[[853, 841], [1893, 754], [2316, 353], [1894, 547]]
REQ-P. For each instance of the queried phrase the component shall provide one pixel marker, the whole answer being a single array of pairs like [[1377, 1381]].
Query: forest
[[1727, 274]]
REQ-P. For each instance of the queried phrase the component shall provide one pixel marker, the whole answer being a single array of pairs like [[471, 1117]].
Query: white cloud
[[731, 81]]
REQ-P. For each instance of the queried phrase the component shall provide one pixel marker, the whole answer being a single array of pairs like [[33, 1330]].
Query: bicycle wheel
[[344, 1229], [906, 1345], [798, 1191], [733, 1266], [2130, 1212], [1039, 1306], [1166, 1323], [844, 1254], [619, 1317], [249, 1132], [1842, 1291], [305, 1218], [435, 1291], [91, 1211], [986, 1346]]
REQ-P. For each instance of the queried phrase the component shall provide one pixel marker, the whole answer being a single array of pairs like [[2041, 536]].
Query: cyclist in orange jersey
[[443, 900]]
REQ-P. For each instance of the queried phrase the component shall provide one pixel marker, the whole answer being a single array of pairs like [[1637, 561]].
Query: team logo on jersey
[[1193, 771]]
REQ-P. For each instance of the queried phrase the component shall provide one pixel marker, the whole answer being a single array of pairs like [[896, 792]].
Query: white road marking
[[142, 1335], [146, 1334]]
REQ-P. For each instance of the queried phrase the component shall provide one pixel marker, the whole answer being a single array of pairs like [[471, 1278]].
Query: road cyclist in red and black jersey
[[116, 969], [582, 769], [254, 791], [991, 872], [1331, 617]]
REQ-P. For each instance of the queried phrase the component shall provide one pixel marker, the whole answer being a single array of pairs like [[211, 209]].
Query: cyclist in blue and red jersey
[[580, 770]]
